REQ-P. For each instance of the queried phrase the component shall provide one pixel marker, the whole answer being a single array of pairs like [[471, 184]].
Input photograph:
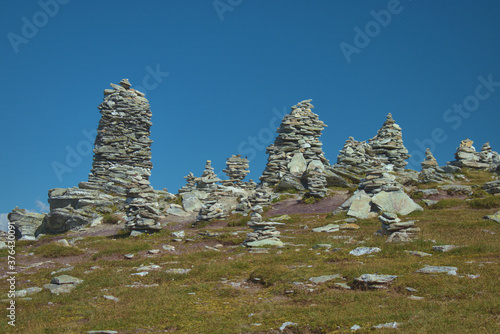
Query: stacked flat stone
[[316, 183], [488, 156], [262, 195], [397, 230], [208, 180], [431, 172], [190, 184], [297, 140], [466, 156], [388, 145], [358, 154], [378, 180], [236, 170], [122, 153], [142, 215], [211, 209], [264, 233], [492, 187]]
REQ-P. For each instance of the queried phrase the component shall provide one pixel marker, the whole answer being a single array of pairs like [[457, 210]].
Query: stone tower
[[122, 150], [388, 144], [297, 147]]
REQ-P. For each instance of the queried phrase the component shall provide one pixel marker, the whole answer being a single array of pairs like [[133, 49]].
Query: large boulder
[[395, 202], [360, 206], [62, 220], [25, 223], [290, 182]]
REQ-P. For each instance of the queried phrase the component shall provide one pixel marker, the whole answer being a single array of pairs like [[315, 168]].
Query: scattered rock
[[364, 251], [495, 217], [62, 284], [438, 269], [325, 278], [328, 228], [373, 281], [444, 248]]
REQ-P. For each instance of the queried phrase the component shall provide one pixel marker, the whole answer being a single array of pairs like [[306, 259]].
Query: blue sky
[[219, 73]]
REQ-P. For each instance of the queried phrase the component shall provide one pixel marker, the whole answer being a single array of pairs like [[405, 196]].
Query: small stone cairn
[[208, 180], [357, 156], [488, 156], [431, 172], [190, 184], [262, 195], [264, 233], [236, 170], [396, 230], [295, 147], [388, 145], [466, 156], [378, 180], [142, 215]]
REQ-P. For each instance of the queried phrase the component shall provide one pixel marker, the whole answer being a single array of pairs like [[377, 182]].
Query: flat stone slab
[[373, 281], [177, 271], [395, 202], [265, 242], [26, 292], [364, 251], [328, 228], [444, 248], [418, 253], [495, 217], [324, 278], [66, 279], [437, 270]]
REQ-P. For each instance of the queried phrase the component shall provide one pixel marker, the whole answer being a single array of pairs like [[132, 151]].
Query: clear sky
[[218, 74]]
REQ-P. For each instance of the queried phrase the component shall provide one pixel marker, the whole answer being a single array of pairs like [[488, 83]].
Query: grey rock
[[325, 278], [373, 281], [444, 248], [26, 292], [437, 269], [364, 251], [327, 228], [395, 202]]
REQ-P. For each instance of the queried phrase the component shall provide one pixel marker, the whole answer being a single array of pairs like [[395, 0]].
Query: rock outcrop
[[295, 148], [26, 223]]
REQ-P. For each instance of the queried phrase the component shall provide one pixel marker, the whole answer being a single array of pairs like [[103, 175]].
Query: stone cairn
[[490, 157], [120, 170], [122, 153], [378, 180], [208, 180], [262, 195], [388, 145], [264, 233], [357, 156], [396, 230], [466, 156], [211, 207], [431, 172], [190, 184], [295, 147], [236, 170]]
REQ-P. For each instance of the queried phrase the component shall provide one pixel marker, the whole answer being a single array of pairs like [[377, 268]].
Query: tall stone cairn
[[236, 170], [298, 136], [122, 151], [388, 144]]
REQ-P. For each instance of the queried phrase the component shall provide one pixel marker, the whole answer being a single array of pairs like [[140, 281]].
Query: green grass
[[231, 290], [54, 250]]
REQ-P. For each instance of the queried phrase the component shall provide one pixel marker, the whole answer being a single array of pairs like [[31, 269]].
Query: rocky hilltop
[[118, 182]]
